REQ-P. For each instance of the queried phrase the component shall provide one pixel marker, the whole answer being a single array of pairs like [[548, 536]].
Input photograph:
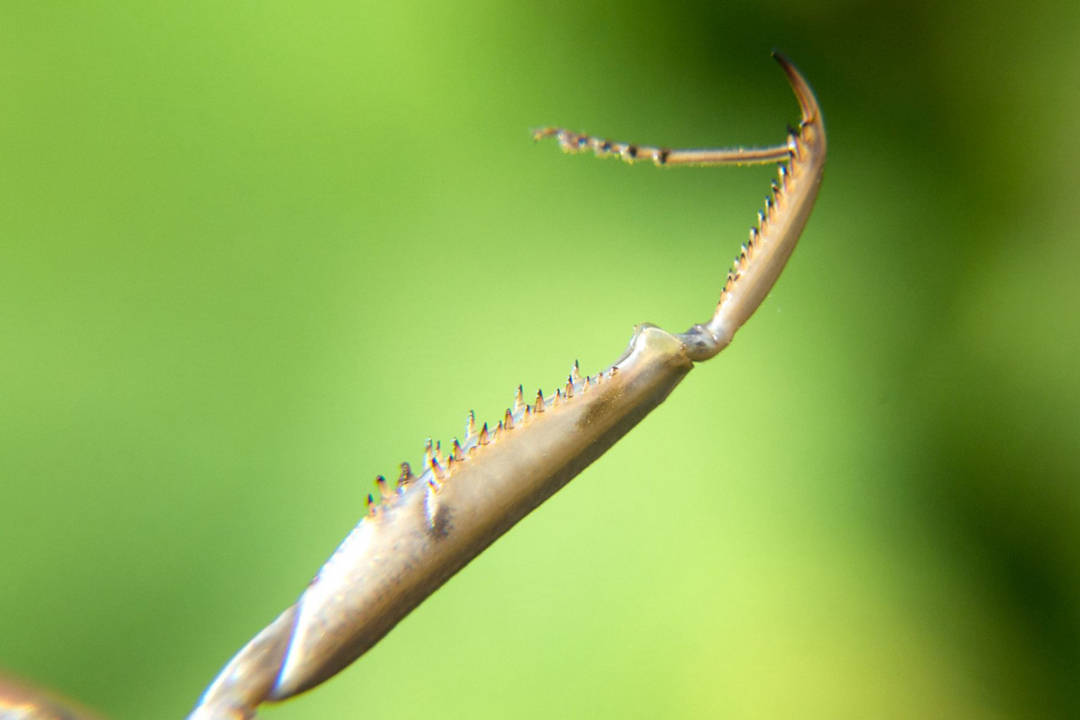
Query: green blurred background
[[253, 253]]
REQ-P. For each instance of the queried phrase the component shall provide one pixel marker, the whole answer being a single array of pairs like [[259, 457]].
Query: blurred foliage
[[253, 253]]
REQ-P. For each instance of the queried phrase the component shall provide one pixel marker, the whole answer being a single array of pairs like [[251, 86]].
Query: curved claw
[[771, 242]]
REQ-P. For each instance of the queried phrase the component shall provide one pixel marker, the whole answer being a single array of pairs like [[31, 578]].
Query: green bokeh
[[253, 253]]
